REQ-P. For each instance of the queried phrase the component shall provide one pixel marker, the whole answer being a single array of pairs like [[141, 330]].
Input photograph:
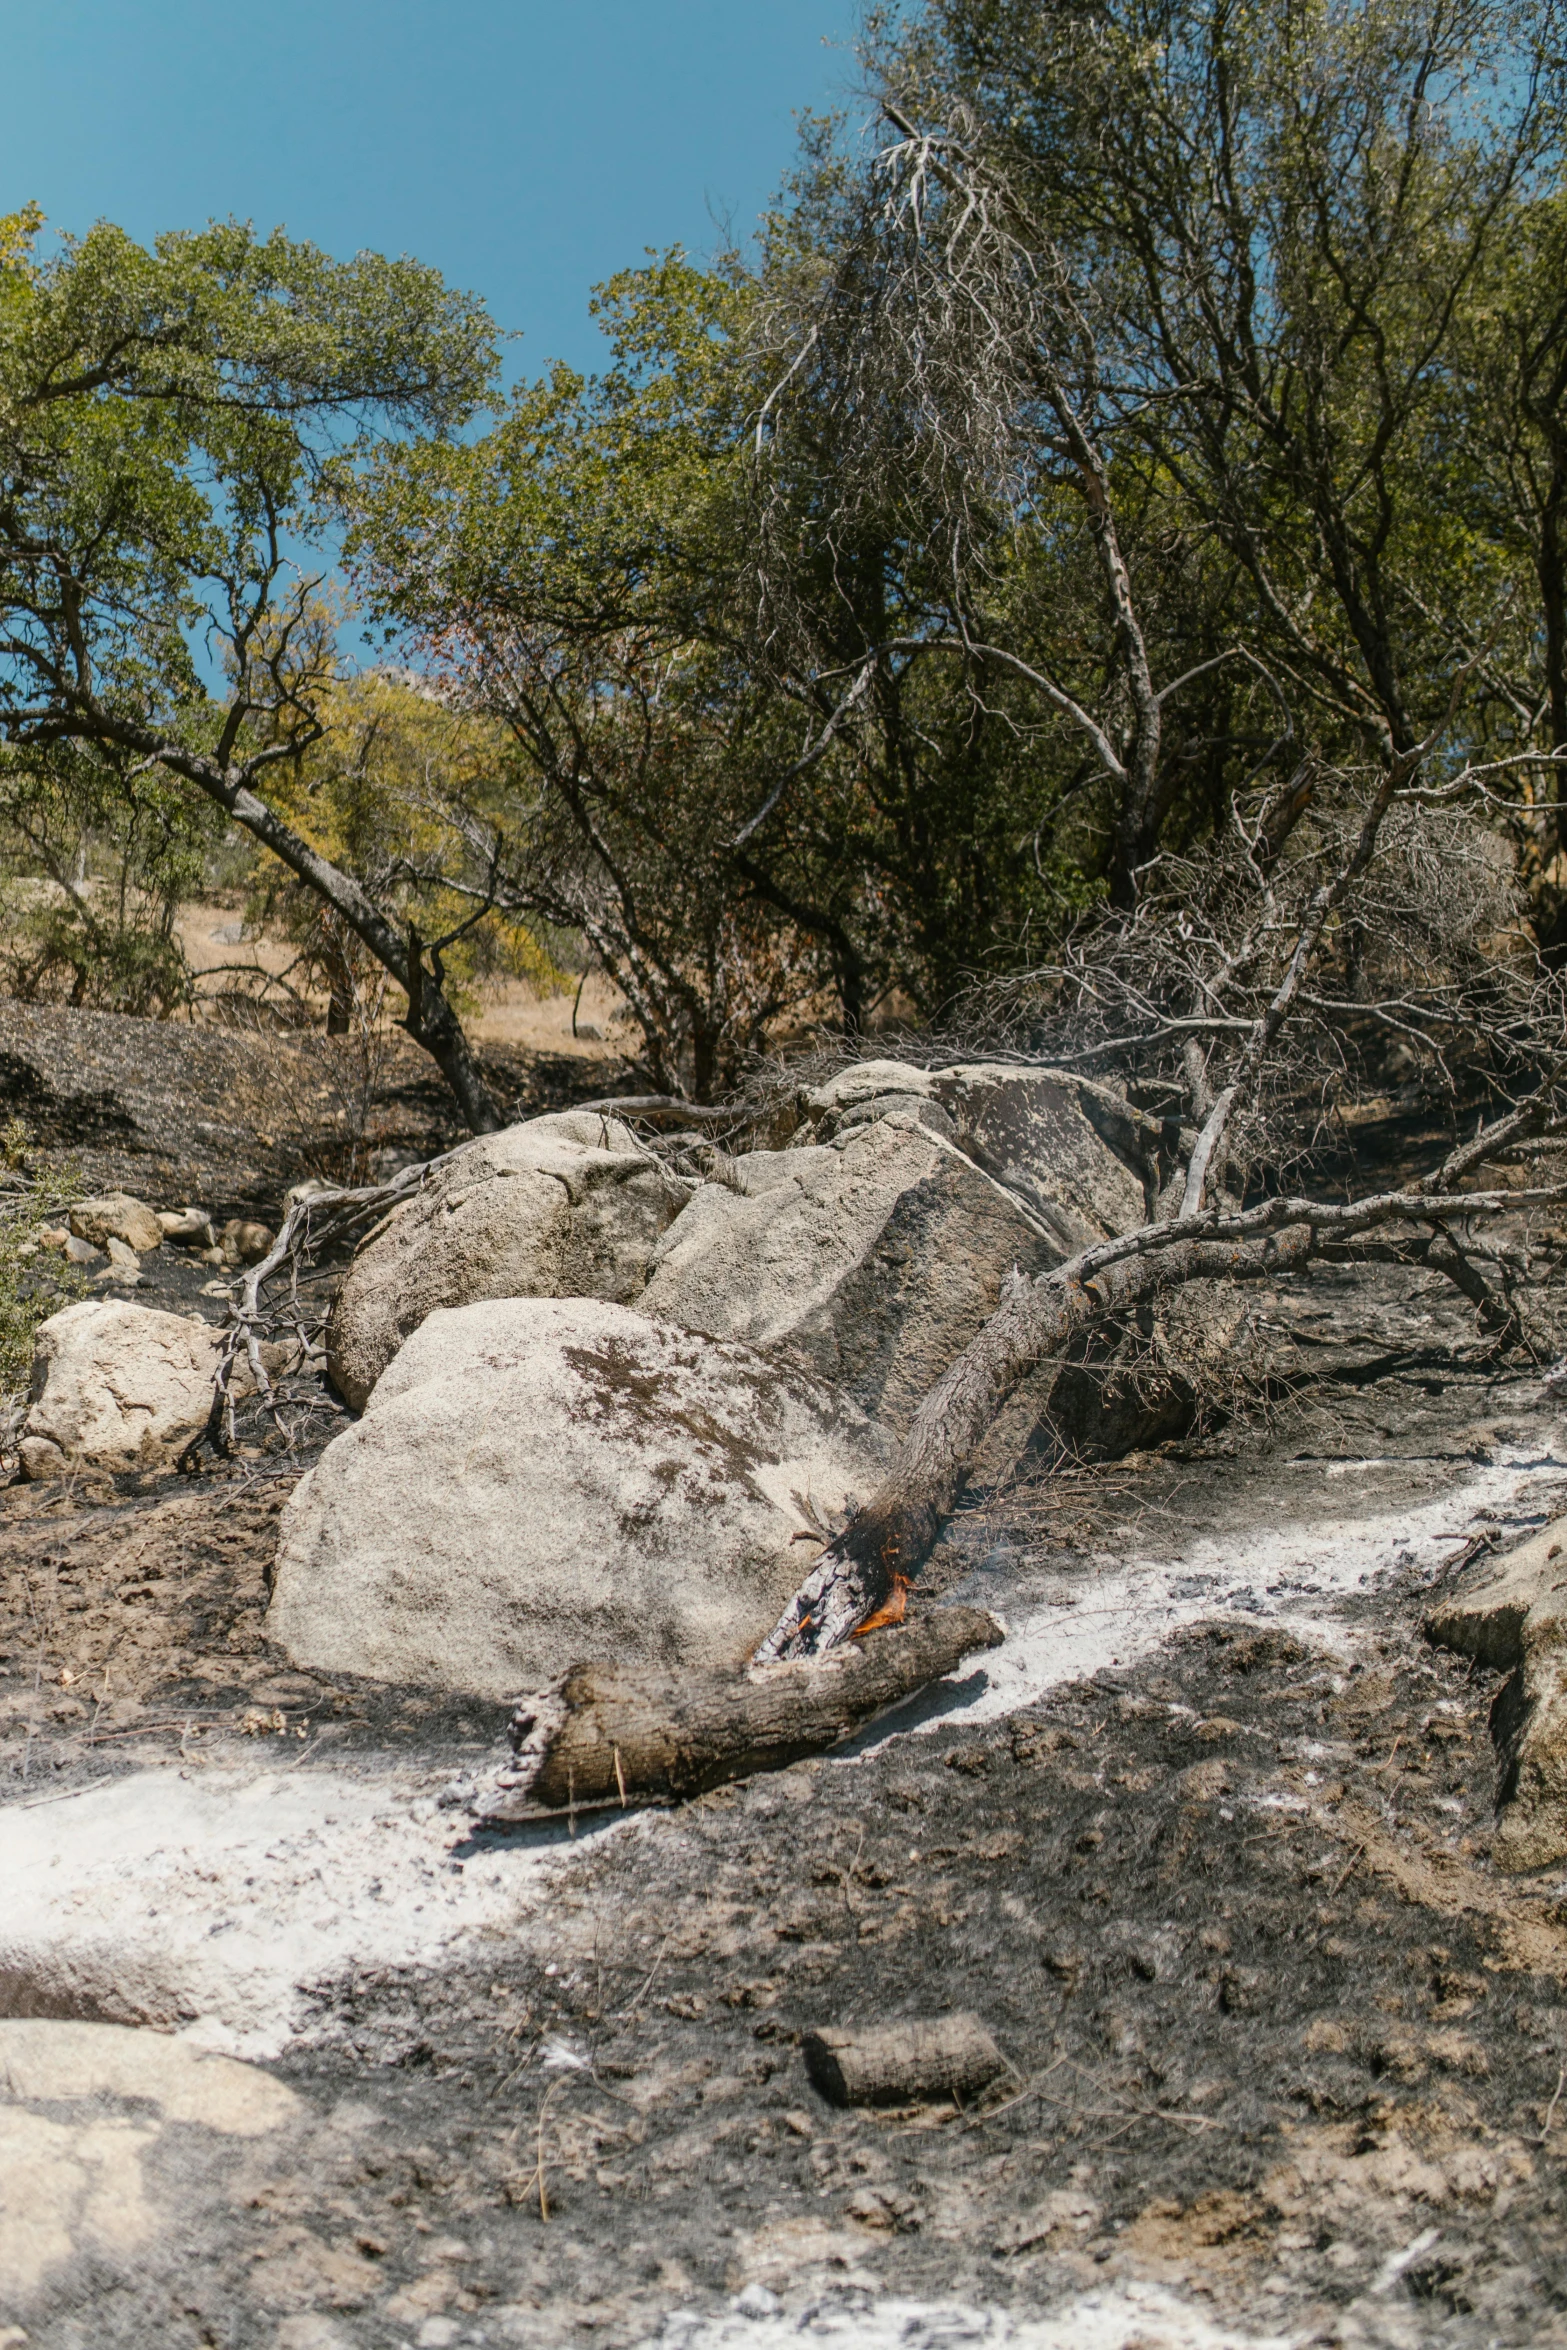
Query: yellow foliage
[[18, 234], [376, 795]]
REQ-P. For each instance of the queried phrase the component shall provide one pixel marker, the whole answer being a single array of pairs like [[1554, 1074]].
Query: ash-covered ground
[[1284, 2051], [1206, 1845]]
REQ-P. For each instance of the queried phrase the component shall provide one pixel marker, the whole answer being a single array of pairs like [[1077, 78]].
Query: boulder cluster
[[609, 1413]]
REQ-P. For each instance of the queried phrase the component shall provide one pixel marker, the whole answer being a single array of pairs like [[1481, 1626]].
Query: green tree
[[96, 859], [1213, 273], [373, 793], [174, 424], [738, 827]]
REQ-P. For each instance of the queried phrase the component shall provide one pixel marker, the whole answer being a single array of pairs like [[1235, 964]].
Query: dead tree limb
[[665, 1105], [310, 1225], [918, 2057], [605, 1735], [866, 1571]]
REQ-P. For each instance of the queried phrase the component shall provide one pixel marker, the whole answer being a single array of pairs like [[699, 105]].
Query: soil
[[230, 961], [1287, 2056], [226, 1119]]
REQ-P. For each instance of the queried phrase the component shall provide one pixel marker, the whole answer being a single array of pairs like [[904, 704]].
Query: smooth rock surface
[[874, 1258], [1072, 1149], [76, 2180], [560, 1206], [116, 1386], [190, 1225], [116, 1216], [1515, 1620], [542, 1482], [58, 2059]]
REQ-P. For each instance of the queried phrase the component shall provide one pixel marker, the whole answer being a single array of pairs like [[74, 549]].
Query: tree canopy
[[1161, 418]]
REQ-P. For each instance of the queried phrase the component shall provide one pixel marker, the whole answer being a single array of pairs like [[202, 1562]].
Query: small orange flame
[[890, 1611]]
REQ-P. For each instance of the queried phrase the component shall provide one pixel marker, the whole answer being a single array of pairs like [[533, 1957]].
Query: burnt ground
[[1270, 2018], [228, 1119], [1253, 2050], [1278, 2035]]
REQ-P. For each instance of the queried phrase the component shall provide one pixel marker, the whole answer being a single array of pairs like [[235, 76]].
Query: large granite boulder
[[561, 1206], [116, 1387], [875, 1255], [1082, 1159], [1515, 1621], [538, 1482]]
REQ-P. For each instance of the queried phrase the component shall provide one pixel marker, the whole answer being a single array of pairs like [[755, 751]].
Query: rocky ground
[[1205, 1844]]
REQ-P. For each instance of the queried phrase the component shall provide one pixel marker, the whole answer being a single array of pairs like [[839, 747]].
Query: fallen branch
[[925, 2057], [863, 1575], [604, 1734], [313, 1222], [667, 1105], [865, 1572]]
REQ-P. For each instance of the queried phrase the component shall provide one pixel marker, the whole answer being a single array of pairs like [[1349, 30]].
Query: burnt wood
[[916, 2059], [605, 1735]]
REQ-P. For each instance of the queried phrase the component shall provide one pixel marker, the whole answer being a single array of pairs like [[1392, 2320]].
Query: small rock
[[309, 2330], [123, 1260], [311, 1188], [116, 1386], [187, 1224], [82, 1252], [243, 1243], [116, 1216]]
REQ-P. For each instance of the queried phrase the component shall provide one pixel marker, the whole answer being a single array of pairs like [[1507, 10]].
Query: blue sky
[[525, 149]]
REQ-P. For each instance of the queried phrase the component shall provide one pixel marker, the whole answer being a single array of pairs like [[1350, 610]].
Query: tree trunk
[[606, 1735], [340, 991], [1552, 569], [446, 1041], [867, 1570], [431, 1022]]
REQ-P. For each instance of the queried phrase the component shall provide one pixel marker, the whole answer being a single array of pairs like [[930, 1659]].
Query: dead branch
[[311, 1224], [918, 2057], [605, 1735], [665, 1105], [868, 1568]]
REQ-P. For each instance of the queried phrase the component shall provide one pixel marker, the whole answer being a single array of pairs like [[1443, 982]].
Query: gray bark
[[897, 2063], [604, 1735]]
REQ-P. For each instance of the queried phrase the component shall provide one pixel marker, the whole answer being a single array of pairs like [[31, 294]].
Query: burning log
[[903, 2063], [604, 1736]]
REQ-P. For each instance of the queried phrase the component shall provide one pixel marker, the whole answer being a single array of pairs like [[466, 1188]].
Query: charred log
[[607, 1736], [919, 2058]]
